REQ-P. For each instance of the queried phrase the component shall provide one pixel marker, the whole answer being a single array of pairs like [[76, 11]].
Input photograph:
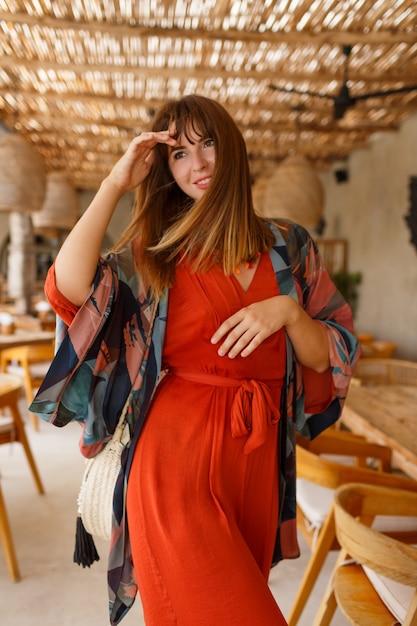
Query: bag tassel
[[85, 552]]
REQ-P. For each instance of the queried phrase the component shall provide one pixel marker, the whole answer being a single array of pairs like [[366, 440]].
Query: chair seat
[[31, 363], [394, 595], [6, 425], [362, 607]]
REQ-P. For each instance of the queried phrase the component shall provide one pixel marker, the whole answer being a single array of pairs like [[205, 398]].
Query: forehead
[[189, 134]]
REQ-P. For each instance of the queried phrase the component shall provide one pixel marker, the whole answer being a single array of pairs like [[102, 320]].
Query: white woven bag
[[95, 498]]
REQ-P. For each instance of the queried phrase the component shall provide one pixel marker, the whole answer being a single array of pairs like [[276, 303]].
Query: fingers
[[241, 335], [133, 167], [244, 331], [146, 141], [244, 345], [142, 146]]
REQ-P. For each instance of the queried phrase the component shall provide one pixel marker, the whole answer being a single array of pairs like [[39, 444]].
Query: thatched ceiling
[[80, 78]]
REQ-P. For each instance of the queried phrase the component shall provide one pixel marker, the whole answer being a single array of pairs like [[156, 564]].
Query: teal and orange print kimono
[[101, 357]]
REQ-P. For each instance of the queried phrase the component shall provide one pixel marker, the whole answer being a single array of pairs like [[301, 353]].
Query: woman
[[252, 339]]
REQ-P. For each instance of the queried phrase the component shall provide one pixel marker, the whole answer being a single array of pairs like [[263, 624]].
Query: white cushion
[[37, 370], [395, 596], [6, 424], [315, 502], [16, 370]]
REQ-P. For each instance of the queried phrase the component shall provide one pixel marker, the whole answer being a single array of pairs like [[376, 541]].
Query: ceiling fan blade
[[388, 92], [300, 92]]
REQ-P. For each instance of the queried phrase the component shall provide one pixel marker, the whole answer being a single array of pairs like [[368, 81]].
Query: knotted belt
[[253, 408]]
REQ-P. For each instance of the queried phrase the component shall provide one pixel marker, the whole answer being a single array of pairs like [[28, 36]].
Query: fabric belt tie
[[253, 409]]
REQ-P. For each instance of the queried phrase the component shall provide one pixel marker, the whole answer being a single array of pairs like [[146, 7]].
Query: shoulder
[[291, 232], [296, 240]]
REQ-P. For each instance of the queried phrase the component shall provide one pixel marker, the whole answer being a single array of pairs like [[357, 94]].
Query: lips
[[202, 182]]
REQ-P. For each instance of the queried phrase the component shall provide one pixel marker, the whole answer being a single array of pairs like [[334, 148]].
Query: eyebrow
[[176, 148]]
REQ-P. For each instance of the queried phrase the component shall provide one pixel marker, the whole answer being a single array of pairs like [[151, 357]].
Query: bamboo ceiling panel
[[79, 79]]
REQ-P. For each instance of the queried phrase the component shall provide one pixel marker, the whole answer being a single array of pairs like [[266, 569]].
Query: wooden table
[[386, 414], [23, 337]]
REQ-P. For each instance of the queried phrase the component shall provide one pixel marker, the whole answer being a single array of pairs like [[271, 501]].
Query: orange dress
[[202, 498]]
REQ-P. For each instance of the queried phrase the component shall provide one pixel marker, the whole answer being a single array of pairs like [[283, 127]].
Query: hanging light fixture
[[60, 208], [294, 192], [22, 176]]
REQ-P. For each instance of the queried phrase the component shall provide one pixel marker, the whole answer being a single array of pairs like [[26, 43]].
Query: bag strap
[[118, 431]]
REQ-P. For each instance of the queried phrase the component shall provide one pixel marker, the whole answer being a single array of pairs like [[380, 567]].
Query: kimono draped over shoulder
[[101, 356]]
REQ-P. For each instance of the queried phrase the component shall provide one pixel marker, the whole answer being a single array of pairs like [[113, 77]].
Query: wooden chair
[[6, 538], [356, 587], [322, 476], [31, 363], [386, 372], [12, 430]]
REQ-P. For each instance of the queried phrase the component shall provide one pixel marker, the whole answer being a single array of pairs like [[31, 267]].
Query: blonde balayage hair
[[221, 227]]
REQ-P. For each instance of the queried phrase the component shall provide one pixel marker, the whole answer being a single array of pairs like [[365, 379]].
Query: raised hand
[[133, 167]]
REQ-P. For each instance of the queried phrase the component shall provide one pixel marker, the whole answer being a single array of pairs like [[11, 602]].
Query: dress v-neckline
[[255, 270]]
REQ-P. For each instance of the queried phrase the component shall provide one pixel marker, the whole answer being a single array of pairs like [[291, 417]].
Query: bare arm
[[244, 331], [76, 263]]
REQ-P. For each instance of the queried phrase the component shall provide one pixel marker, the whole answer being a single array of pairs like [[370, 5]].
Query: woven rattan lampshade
[[293, 192], [59, 210], [22, 176]]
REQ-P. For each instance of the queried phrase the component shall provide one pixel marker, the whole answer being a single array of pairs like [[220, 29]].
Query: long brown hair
[[221, 226]]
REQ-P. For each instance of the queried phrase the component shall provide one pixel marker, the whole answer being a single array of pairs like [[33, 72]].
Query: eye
[[209, 143], [180, 154]]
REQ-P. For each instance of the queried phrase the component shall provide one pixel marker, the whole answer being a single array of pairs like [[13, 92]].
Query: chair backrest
[[327, 473], [28, 354], [315, 519], [31, 362], [355, 505], [386, 372], [314, 467]]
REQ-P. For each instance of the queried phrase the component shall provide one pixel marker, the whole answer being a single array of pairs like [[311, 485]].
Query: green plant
[[347, 283]]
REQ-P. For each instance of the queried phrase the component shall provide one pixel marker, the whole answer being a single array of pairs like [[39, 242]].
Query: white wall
[[369, 212]]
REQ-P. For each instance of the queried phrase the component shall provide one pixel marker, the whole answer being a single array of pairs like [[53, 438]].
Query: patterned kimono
[[102, 354]]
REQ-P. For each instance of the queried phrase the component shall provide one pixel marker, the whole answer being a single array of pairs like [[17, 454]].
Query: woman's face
[[192, 164]]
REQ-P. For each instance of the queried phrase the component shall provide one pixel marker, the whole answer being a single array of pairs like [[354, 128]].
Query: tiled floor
[[55, 592]]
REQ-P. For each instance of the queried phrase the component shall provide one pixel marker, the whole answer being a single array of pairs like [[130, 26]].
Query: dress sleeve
[[65, 309]]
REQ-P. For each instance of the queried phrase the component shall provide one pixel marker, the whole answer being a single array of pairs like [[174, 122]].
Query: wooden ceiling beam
[[320, 106], [14, 64], [51, 124], [234, 35]]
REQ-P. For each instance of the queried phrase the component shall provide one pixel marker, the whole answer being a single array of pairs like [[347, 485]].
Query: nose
[[199, 163]]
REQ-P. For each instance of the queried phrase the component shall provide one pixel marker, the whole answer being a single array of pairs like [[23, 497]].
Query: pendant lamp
[[60, 207], [294, 192]]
